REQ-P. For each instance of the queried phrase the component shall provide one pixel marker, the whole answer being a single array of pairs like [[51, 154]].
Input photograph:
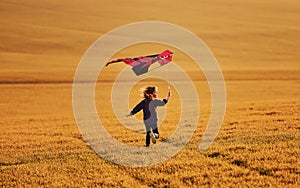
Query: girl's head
[[150, 92]]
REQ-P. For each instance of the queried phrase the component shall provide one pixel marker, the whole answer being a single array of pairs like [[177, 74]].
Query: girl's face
[[155, 93]]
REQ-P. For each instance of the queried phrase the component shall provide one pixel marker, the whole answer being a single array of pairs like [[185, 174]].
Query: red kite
[[140, 65]]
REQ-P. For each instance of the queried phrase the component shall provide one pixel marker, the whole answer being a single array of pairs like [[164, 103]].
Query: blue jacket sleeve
[[138, 107], [158, 102]]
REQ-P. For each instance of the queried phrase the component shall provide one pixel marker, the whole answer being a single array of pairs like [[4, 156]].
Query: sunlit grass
[[258, 145]]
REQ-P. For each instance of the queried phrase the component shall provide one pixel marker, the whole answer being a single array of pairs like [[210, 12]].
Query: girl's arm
[[168, 96], [164, 101], [137, 108]]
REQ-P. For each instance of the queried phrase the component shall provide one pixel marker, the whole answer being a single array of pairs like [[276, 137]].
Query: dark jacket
[[149, 108]]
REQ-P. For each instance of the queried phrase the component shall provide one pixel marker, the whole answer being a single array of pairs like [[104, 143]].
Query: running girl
[[149, 105]]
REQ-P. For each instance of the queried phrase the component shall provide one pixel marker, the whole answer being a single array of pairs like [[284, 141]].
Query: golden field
[[256, 43]]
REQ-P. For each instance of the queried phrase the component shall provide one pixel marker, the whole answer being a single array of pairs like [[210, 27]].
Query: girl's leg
[[156, 133], [148, 136]]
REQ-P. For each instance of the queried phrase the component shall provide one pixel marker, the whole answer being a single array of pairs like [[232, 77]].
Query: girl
[[148, 105]]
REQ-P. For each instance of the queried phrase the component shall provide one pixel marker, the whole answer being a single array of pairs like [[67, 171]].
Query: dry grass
[[256, 44], [258, 145]]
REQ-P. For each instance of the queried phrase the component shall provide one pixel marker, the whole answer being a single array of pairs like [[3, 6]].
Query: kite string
[[167, 73]]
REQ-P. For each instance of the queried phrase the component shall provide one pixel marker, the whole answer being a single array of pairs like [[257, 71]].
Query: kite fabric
[[140, 65]]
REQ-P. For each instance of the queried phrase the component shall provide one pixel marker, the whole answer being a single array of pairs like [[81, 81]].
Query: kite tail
[[114, 61]]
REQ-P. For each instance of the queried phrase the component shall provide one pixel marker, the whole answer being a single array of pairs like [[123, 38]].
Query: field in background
[[256, 44]]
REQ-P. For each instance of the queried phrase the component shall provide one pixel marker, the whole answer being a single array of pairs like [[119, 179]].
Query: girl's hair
[[148, 92]]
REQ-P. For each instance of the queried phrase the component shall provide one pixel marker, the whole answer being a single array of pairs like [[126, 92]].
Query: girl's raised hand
[[169, 93]]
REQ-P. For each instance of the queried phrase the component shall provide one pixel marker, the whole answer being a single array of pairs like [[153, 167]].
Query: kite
[[140, 65]]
